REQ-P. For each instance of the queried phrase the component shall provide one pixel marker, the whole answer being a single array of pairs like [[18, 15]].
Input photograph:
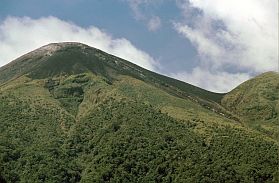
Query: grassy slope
[[257, 102], [81, 58], [78, 58]]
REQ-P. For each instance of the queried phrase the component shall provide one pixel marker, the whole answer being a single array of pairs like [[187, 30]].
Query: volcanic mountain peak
[[74, 58], [49, 49], [57, 46], [73, 113], [51, 59]]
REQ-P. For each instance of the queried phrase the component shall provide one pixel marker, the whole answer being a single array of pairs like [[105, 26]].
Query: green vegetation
[[257, 102], [126, 142], [81, 115]]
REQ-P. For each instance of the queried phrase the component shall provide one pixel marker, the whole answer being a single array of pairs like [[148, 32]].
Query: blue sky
[[191, 40], [117, 18]]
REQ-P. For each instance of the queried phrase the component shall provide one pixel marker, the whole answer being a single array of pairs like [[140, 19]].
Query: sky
[[213, 44]]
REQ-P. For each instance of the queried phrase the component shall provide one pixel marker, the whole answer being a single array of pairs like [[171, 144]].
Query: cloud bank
[[234, 40], [21, 35], [220, 81]]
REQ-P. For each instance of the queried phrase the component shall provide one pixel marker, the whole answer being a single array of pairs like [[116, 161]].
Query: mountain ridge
[[53, 47], [43, 62], [76, 58]]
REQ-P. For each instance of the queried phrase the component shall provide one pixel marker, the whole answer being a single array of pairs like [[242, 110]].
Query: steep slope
[[71, 113], [73, 58], [60, 59], [257, 102]]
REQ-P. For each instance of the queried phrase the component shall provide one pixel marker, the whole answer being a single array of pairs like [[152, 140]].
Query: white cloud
[[231, 34], [21, 35], [138, 5], [154, 23], [206, 47], [135, 6], [142, 11], [219, 81]]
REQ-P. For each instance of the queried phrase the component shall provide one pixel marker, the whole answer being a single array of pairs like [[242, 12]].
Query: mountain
[[73, 113]]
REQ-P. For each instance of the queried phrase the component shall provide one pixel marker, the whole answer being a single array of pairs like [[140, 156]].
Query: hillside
[[72, 113], [257, 102]]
